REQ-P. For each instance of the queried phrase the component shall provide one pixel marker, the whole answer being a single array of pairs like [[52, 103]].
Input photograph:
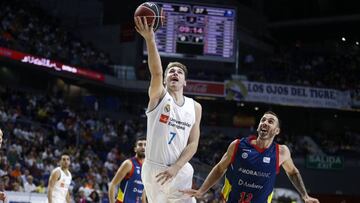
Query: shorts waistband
[[155, 163]]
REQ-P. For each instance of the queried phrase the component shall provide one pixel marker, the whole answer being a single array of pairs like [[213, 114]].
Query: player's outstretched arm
[[124, 169], [215, 174], [156, 89], [54, 176], [294, 174]]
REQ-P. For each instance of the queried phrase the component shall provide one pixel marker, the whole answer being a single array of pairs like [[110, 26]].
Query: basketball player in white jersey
[[173, 128], [59, 182]]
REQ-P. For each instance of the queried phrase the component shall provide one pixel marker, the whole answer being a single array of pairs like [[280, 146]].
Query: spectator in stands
[[25, 175], [29, 186], [94, 197], [17, 171], [81, 198], [16, 186], [41, 187]]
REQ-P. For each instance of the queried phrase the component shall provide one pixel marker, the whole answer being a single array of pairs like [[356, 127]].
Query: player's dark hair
[[65, 154], [274, 114], [139, 139]]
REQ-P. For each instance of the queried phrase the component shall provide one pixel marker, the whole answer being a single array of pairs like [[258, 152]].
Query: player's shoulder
[[197, 105], [128, 163], [234, 144], [56, 171], [284, 150]]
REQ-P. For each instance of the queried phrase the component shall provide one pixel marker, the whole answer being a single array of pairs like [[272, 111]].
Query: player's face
[[140, 148], [175, 78], [268, 127], [65, 161]]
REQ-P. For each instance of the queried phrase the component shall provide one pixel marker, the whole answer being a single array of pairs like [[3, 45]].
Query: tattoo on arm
[[298, 183]]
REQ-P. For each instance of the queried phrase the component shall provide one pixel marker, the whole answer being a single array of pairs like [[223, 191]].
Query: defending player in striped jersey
[[131, 188], [250, 166]]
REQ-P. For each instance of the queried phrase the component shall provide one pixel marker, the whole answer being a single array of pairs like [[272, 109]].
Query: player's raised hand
[[143, 28]]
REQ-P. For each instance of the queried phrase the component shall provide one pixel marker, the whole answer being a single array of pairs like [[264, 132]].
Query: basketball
[[150, 10]]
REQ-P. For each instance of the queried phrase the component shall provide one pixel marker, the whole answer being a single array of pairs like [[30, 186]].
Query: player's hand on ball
[[143, 28], [168, 174]]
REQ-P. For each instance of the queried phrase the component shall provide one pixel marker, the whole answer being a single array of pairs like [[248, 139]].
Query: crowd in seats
[[39, 128], [292, 65], [299, 66], [346, 144], [27, 28]]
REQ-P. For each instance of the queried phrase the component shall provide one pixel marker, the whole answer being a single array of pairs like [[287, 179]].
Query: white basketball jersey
[[168, 130], [61, 187]]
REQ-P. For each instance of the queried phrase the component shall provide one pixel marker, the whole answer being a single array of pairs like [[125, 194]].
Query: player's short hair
[[65, 154], [140, 139], [274, 114], [177, 64]]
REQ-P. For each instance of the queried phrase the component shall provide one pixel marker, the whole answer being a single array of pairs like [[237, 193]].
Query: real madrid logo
[[244, 155], [235, 90], [167, 108]]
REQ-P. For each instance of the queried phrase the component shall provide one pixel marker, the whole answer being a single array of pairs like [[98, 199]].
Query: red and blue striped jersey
[[131, 187], [250, 178]]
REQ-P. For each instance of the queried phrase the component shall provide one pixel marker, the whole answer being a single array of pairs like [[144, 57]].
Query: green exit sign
[[324, 162]]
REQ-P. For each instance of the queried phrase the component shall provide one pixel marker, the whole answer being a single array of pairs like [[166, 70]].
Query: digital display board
[[50, 64], [197, 32]]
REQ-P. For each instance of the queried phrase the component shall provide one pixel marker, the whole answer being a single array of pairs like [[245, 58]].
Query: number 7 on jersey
[[172, 136]]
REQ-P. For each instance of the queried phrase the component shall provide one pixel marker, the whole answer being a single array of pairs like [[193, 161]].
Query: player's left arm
[[188, 151], [68, 198], [193, 140], [294, 174]]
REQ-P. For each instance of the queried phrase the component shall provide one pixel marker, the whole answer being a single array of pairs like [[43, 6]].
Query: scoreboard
[[197, 32]]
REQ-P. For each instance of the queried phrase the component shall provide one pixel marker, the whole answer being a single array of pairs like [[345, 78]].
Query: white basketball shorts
[[169, 192]]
